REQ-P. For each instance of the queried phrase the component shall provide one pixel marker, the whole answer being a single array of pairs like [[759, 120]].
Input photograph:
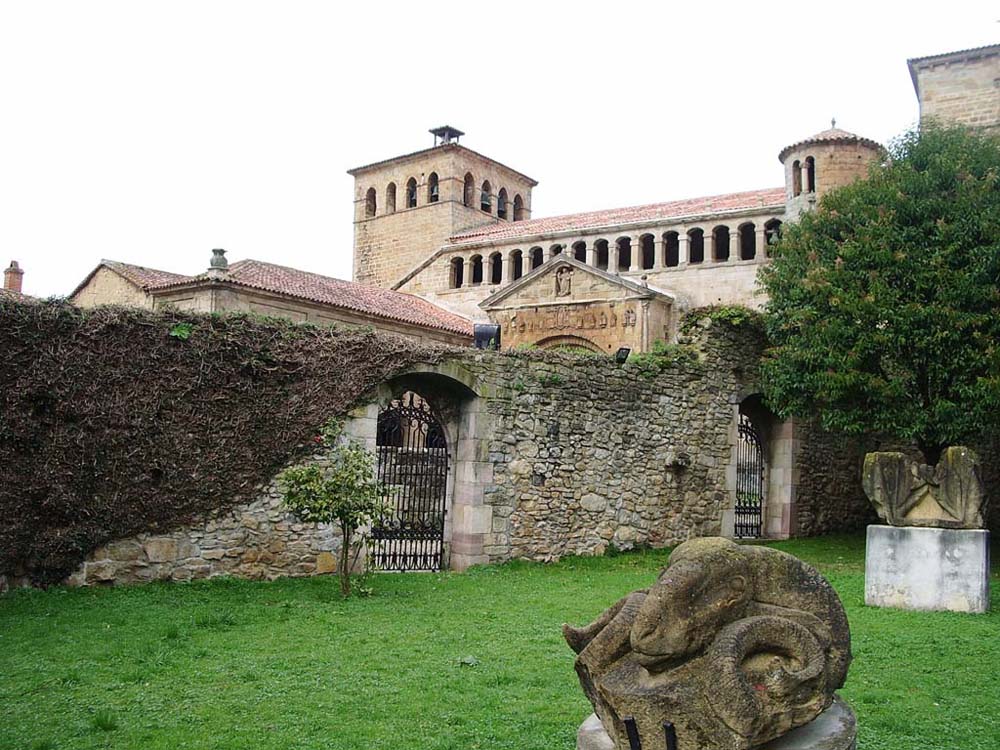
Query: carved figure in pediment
[[564, 281]]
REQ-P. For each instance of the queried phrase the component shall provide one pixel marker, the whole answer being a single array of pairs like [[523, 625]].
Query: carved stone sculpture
[[907, 493], [564, 281], [734, 645]]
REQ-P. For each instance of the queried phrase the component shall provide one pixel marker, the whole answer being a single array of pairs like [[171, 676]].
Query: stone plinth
[[834, 729], [927, 569]]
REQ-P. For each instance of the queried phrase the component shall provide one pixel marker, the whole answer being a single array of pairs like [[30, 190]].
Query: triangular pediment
[[566, 281]]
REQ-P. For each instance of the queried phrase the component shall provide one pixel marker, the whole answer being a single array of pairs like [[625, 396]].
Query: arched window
[[696, 246], [624, 253], [518, 208], [796, 178], [537, 257], [671, 249], [502, 203], [390, 198], [601, 251], [469, 190], [457, 272], [433, 194], [580, 251], [477, 270], [496, 268], [411, 193], [772, 233], [720, 244], [486, 198], [516, 264], [810, 174], [647, 250], [748, 241], [370, 203]]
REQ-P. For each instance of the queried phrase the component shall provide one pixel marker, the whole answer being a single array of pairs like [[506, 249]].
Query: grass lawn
[[429, 662]]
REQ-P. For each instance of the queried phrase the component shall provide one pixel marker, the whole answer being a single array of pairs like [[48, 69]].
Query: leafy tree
[[341, 490], [884, 309]]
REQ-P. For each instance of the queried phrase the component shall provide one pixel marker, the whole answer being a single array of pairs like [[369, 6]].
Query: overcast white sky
[[153, 132]]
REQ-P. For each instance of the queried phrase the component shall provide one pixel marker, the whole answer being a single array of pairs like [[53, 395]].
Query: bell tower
[[407, 207], [827, 160]]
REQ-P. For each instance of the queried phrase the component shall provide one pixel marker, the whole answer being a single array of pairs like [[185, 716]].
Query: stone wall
[[960, 87], [108, 288], [257, 540], [830, 497], [586, 455], [552, 455]]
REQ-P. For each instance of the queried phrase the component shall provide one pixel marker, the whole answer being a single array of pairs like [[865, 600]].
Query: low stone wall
[[588, 456], [552, 455], [830, 497], [256, 540]]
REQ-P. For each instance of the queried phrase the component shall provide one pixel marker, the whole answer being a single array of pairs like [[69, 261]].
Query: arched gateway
[[750, 488], [429, 429], [413, 471]]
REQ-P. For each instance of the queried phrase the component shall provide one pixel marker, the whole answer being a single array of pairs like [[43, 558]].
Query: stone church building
[[445, 237], [463, 237], [536, 456]]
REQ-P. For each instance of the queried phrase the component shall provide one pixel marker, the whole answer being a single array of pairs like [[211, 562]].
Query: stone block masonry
[[909, 567], [551, 455], [257, 540]]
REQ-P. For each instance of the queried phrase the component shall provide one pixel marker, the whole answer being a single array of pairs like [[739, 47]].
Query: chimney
[[12, 277], [218, 267]]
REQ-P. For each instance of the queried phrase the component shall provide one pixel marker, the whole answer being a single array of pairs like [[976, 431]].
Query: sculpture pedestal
[[911, 567], [834, 729]]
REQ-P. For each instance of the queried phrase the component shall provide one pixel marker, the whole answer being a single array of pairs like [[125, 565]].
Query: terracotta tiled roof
[[441, 148], [142, 276], [988, 49], [673, 210], [830, 135], [372, 300]]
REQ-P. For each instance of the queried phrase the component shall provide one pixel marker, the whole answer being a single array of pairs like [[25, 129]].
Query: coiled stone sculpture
[[733, 645]]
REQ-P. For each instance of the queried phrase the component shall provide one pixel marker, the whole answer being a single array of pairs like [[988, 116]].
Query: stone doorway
[[412, 467], [751, 468]]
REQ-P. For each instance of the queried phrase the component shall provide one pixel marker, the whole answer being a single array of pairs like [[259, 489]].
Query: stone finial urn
[[908, 493]]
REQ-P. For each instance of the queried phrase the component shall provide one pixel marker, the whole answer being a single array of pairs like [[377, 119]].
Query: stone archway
[[779, 446], [457, 400]]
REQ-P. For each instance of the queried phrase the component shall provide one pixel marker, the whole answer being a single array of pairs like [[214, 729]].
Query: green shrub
[[345, 492]]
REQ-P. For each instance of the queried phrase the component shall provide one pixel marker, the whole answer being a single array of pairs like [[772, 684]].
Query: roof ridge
[[521, 228]]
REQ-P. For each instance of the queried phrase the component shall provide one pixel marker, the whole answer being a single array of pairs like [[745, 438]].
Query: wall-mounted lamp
[[621, 355]]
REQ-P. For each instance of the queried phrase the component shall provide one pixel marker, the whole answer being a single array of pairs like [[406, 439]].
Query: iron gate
[[749, 481], [413, 469]]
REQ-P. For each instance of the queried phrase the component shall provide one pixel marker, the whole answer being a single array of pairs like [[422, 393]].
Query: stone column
[[804, 177], [709, 243], [467, 281], [592, 255], [659, 253], [682, 249], [505, 271], [635, 260], [613, 256], [761, 243]]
